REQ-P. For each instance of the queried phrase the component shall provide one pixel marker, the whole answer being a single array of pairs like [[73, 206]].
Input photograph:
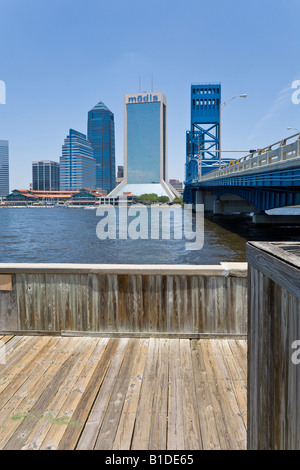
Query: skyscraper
[[45, 176], [4, 168], [145, 146], [101, 134], [77, 164]]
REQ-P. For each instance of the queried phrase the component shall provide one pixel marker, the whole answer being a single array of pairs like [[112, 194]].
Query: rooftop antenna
[[139, 84], [152, 83]]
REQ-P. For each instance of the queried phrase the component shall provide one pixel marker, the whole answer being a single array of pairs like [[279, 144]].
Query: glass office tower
[[77, 164], [45, 176], [145, 146], [101, 134], [4, 168]]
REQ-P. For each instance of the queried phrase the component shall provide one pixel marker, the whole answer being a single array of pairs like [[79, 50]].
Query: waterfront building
[[178, 185], [120, 171], [101, 134], [145, 146], [45, 176], [120, 174], [4, 168], [77, 163], [19, 197]]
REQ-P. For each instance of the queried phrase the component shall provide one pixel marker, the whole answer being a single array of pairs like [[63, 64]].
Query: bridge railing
[[275, 153]]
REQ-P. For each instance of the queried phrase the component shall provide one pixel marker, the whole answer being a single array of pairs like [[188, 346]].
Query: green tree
[[147, 198], [178, 200], [163, 199]]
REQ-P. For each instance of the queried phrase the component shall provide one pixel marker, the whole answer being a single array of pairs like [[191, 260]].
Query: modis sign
[[142, 98]]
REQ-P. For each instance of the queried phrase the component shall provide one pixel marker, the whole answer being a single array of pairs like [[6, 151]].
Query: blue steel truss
[[203, 139]]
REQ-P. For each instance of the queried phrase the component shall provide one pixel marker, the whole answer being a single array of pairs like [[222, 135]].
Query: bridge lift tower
[[203, 140]]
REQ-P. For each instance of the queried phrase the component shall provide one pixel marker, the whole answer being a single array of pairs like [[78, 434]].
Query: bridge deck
[[121, 393]]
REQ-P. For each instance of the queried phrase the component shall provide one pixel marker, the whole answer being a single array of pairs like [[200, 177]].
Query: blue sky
[[60, 57]]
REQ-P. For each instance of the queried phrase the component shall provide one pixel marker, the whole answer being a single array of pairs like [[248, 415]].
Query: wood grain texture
[[122, 394], [126, 303], [273, 326]]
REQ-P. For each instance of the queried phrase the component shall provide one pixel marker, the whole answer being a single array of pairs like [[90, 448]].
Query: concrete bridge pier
[[275, 219], [207, 198], [230, 203]]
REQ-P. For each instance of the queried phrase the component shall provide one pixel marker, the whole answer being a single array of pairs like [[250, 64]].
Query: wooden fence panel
[[142, 301]]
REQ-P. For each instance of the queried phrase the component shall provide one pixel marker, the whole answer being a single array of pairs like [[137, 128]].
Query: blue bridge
[[265, 179]]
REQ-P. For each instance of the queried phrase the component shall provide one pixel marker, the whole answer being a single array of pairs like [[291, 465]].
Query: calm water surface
[[61, 235]]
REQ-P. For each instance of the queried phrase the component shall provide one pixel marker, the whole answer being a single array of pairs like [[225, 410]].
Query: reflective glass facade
[[4, 168], [77, 165], [101, 134], [143, 143], [45, 176]]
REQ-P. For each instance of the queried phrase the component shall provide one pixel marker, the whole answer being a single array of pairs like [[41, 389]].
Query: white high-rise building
[[4, 168], [145, 146]]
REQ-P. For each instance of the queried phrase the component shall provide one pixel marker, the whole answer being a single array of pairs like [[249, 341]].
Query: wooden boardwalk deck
[[122, 393]]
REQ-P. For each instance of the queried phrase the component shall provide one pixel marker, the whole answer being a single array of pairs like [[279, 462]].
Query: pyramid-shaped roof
[[100, 107]]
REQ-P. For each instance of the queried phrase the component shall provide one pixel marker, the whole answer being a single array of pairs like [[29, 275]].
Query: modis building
[[145, 146]]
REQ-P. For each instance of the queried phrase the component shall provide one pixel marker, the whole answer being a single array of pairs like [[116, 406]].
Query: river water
[[62, 235]]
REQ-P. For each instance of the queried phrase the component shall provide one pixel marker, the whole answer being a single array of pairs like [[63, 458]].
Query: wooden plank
[[21, 373], [226, 437], [8, 307], [140, 439], [19, 437], [158, 430], [175, 437], [286, 275], [277, 249], [235, 379], [207, 420], [240, 357], [92, 426], [150, 334], [234, 421], [125, 429], [192, 436], [51, 413], [57, 430], [6, 338], [108, 430], [6, 282], [17, 350], [72, 434], [26, 388]]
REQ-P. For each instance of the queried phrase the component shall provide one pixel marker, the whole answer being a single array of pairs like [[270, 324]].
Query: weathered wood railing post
[[273, 345]]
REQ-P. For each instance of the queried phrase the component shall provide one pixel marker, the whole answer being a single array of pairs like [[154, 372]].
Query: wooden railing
[[273, 346], [128, 300]]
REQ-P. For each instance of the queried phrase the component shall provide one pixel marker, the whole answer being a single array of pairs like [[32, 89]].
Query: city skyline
[[155, 51]]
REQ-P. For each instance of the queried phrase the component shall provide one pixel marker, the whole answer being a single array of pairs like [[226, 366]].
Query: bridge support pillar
[[199, 197], [265, 219], [230, 203]]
